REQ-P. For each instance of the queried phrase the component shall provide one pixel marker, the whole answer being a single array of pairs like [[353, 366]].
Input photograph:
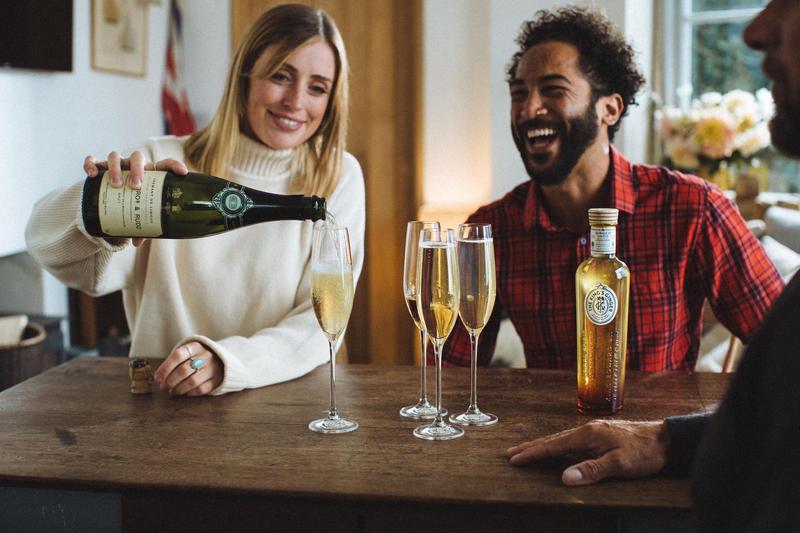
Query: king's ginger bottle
[[602, 285]]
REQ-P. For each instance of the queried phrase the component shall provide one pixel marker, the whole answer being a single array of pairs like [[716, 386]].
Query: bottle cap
[[602, 215]]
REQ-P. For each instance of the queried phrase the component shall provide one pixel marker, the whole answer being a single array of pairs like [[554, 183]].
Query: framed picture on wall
[[119, 36]]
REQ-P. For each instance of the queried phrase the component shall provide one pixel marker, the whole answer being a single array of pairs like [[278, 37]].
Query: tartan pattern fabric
[[683, 241]]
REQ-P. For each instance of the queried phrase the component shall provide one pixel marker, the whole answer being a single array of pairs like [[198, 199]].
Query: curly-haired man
[[571, 83], [746, 467]]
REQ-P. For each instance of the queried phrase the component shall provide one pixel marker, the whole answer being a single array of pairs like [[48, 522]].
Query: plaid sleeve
[[739, 280], [456, 351]]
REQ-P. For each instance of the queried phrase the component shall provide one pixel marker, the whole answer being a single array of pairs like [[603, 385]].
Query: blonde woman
[[240, 301]]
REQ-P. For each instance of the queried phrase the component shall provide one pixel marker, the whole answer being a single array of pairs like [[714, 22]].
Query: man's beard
[[575, 139], [784, 129]]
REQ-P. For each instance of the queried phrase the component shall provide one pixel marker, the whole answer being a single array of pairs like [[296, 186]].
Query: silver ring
[[188, 351]]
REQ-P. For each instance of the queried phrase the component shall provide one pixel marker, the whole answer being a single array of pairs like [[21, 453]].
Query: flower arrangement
[[716, 128]]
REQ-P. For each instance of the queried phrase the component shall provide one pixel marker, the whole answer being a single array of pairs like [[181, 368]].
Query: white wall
[[50, 121], [456, 136]]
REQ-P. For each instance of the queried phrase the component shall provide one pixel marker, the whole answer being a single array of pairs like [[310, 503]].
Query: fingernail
[[136, 182], [572, 476], [116, 181]]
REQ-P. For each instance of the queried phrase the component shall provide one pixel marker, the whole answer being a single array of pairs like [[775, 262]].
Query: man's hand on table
[[616, 448]]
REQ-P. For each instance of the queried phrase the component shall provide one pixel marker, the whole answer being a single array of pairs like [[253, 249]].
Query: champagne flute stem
[[473, 372], [333, 413], [437, 347], [423, 387]]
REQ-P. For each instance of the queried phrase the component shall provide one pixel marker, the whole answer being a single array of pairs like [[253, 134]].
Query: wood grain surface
[[78, 427]]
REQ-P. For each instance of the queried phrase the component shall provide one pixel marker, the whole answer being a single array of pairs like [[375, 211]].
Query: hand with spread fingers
[[136, 163], [614, 448], [190, 370]]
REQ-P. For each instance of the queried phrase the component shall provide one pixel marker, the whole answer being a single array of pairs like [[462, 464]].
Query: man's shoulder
[[684, 190], [509, 206], [662, 177]]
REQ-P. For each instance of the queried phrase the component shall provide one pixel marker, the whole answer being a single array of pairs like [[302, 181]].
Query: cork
[[141, 376]]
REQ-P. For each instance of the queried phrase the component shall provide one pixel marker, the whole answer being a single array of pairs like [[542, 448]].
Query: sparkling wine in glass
[[332, 295], [476, 273], [437, 304], [423, 408]]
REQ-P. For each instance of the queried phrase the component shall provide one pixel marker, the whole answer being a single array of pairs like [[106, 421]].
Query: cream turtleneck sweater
[[245, 293]]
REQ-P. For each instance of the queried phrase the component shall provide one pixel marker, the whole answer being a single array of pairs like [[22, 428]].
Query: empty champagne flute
[[476, 274], [437, 304], [332, 296], [423, 408]]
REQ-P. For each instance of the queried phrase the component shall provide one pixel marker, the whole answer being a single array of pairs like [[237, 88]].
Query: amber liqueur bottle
[[602, 285], [169, 206]]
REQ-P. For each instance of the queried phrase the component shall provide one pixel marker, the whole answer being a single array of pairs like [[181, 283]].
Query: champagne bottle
[[602, 284], [170, 206]]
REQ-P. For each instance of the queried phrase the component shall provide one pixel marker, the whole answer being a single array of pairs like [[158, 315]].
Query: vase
[[719, 174], [750, 179]]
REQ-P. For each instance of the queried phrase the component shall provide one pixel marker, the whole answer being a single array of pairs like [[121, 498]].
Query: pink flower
[[682, 154], [715, 133]]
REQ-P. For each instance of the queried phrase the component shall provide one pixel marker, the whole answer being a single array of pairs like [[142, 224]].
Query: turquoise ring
[[196, 364]]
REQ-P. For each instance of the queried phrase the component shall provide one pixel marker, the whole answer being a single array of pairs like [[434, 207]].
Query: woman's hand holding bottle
[[136, 163]]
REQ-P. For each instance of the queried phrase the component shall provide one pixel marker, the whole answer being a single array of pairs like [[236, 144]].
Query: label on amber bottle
[[600, 304], [126, 212], [604, 240]]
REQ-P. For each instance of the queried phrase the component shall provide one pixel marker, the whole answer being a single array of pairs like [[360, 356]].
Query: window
[[704, 47], [704, 51]]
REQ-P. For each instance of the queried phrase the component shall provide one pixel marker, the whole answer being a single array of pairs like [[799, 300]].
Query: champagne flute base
[[422, 410], [438, 431], [333, 425], [474, 418]]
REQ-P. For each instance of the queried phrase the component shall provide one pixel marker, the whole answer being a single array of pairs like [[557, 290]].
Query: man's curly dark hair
[[605, 57]]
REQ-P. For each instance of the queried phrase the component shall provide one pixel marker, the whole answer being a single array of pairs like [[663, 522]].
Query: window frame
[[678, 20]]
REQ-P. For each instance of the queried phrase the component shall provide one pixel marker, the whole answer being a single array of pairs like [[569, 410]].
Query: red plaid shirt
[[683, 242]]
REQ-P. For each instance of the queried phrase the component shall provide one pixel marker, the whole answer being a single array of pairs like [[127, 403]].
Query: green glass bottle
[[169, 206]]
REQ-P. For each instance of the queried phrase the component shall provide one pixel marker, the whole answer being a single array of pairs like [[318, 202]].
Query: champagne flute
[[476, 273], [437, 304], [332, 295], [423, 408]]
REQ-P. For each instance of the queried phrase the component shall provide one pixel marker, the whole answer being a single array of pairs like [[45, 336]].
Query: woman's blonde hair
[[318, 161]]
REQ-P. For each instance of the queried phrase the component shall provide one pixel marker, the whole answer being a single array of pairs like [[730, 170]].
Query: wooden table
[[248, 461]]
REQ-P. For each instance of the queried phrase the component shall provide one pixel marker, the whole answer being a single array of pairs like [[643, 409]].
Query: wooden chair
[[734, 353]]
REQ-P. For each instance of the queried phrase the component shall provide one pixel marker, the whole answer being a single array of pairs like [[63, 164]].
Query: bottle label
[[600, 304], [232, 202], [126, 212], [604, 240]]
